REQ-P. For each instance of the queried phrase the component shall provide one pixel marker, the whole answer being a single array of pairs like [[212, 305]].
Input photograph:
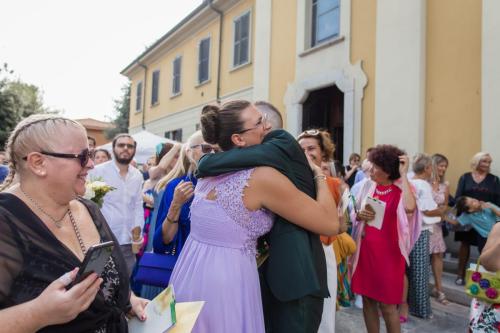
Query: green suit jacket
[[296, 265]]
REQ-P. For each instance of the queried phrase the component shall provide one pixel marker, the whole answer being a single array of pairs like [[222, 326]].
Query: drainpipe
[[144, 94], [215, 9]]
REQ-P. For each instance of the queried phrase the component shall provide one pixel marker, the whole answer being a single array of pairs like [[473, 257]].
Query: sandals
[[459, 281], [441, 297]]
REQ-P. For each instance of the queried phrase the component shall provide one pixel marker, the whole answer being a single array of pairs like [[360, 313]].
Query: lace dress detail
[[256, 222], [110, 286], [217, 263]]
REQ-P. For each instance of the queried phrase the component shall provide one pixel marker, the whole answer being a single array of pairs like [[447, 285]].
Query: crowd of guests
[[200, 218]]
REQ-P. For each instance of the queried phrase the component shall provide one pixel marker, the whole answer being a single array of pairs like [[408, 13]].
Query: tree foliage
[[121, 112], [18, 100]]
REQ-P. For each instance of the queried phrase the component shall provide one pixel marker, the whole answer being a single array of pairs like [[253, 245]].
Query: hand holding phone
[[95, 260]]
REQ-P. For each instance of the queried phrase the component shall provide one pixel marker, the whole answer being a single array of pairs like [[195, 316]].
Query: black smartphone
[[95, 259]]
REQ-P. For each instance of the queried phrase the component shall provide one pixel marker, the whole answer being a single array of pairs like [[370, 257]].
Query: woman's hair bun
[[210, 123]]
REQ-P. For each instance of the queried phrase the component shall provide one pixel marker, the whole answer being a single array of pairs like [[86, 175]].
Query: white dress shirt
[[122, 207]]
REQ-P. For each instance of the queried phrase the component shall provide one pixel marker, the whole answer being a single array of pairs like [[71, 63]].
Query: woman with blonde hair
[[478, 184], [172, 223], [440, 193], [46, 228]]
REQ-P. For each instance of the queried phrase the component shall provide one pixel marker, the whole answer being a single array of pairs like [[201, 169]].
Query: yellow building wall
[[453, 82], [192, 94], [363, 41], [283, 51], [233, 80]]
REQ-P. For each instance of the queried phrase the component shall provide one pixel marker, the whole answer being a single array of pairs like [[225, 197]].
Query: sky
[[75, 50]]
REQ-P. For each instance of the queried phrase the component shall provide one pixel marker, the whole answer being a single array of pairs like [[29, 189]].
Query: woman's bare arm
[[490, 257], [272, 190]]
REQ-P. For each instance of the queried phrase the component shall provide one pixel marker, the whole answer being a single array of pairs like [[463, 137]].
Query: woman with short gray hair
[[418, 273]]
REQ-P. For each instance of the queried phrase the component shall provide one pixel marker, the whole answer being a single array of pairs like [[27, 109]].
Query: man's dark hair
[[123, 135]]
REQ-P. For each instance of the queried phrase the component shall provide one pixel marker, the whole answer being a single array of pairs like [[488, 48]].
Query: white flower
[[89, 191], [97, 184]]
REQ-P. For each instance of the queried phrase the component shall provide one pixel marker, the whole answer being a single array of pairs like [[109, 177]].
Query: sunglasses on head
[[205, 148], [311, 132], [83, 157]]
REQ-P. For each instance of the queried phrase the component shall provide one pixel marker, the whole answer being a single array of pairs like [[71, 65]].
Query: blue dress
[[184, 227]]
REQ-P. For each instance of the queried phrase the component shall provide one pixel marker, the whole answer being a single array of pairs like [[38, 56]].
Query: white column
[[490, 82], [262, 53], [400, 74]]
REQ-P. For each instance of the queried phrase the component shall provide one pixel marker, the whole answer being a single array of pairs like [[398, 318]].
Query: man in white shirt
[[122, 207]]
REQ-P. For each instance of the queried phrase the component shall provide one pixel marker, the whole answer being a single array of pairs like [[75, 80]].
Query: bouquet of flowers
[[96, 189]]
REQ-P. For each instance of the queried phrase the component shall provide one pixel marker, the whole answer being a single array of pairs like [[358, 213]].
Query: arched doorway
[[324, 109]]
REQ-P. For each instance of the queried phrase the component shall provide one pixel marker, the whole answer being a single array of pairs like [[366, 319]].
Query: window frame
[[314, 23], [175, 134], [174, 76], [249, 48], [155, 89], [138, 96], [207, 79]]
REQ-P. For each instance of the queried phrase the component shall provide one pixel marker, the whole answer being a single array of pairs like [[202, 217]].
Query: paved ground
[[451, 318]]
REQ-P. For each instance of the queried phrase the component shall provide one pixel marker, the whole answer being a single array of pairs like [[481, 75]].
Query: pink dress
[[381, 266], [436, 241]]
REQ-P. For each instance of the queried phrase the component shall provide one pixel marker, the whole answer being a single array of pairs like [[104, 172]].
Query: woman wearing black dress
[[45, 231], [479, 184]]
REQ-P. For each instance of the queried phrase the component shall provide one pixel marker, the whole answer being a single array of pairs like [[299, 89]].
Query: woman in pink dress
[[379, 262]]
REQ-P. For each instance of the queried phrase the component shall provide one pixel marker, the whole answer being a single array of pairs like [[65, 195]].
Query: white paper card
[[379, 209], [345, 200], [160, 314]]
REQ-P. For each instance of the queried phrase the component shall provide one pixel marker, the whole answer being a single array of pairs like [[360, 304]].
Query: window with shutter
[[176, 80], [138, 97], [203, 60], [155, 87], [241, 46]]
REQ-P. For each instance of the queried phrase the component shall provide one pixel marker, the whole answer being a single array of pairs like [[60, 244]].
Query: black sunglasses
[[83, 157], [123, 145], [205, 148]]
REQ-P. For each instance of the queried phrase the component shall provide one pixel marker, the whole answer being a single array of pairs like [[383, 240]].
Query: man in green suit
[[293, 278]]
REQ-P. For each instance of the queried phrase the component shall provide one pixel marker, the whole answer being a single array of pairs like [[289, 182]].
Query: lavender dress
[[217, 264]]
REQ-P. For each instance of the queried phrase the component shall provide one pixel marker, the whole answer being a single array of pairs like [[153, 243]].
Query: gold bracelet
[[320, 177], [171, 221]]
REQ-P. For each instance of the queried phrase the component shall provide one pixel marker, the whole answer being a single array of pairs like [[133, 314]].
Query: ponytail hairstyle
[[35, 133], [218, 124]]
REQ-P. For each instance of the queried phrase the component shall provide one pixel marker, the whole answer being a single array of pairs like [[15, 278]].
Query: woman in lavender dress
[[228, 214]]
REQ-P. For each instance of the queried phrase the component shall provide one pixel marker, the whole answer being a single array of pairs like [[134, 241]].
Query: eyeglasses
[[127, 145], [262, 122], [83, 157], [205, 148]]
